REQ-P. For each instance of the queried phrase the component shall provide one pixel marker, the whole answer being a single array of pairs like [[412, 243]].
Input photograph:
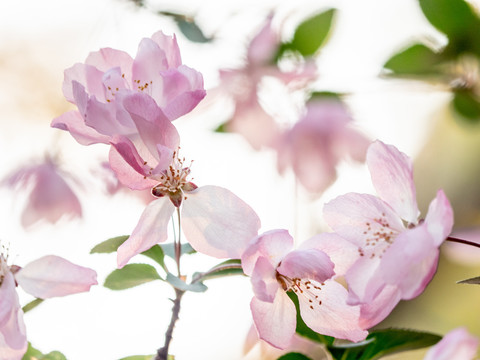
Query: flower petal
[[264, 282], [218, 223], [458, 344], [310, 264], [150, 230], [73, 122], [275, 322], [439, 218], [364, 280], [380, 307], [51, 276], [392, 177]]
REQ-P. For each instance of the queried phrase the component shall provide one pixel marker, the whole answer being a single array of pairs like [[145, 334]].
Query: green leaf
[[465, 104], [169, 249], [418, 59], [138, 357], [156, 253], [384, 342], [54, 355], [110, 245], [311, 34], [182, 285], [222, 128], [31, 305], [131, 275], [474, 280], [188, 27], [324, 95], [225, 268], [32, 353], [294, 356]]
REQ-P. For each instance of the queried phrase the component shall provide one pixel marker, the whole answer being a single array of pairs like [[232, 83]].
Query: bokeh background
[[39, 39]]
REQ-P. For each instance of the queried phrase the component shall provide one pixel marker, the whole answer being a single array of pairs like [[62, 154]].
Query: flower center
[[309, 289]]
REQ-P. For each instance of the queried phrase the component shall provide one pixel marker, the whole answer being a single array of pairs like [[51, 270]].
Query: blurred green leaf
[[418, 59], [156, 253], [465, 103], [169, 249], [188, 27], [311, 34], [225, 268], [294, 356], [182, 285], [32, 305], [474, 281], [110, 245], [34, 354], [384, 342], [324, 95], [222, 128], [54, 355], [131, 275]]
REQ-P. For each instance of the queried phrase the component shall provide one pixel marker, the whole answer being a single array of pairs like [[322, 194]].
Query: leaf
[[225, 268], [139, 357], [54, 355], [418, 59], [32, 353], [294, 356], [169, 249], [131, 275], [311, 34], [474, 280], [466, 105], [110, 245], [384, 342], [32, 305], [178, 283], [188, 27], [156, 253], [222, 128]]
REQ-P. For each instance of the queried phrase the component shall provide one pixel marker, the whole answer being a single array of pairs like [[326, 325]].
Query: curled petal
[[264, 282], [150, 230], [439, 218], [52, 276], [458, 344], [218, 223], [73, 122], [310, 264], [276, 321], [392, 177]]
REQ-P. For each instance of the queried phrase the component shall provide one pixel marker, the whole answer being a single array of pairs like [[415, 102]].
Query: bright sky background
[[39, 39]]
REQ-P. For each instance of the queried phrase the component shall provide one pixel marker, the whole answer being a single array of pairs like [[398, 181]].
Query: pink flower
[[318, 141], [397, 252], [458, 344], [97, 87], [308, 271], [50, 196], [249, 118], [214, 220], [46, 277]]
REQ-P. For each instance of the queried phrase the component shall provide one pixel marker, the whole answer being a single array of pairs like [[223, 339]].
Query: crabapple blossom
[[397, 252], [50, 196], [214, 220], [458, 344], [318, 141], [46, 277], [98, 86], [309, 272]]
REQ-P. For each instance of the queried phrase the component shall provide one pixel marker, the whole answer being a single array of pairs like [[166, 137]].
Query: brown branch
[[461, 241], [162, 353]]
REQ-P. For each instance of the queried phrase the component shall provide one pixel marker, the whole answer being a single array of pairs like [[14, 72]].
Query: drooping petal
[[73, 122], [218, 223], [310, 264], [51, 276], [150, 230], [375, 311], [439, 218], [330, 315], [275, 322], [392, 177], [458, 344], [273, 245], [264, 282]]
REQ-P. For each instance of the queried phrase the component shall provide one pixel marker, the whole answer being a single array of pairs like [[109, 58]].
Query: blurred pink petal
[[52, 276], [458, 344], [12, 328]]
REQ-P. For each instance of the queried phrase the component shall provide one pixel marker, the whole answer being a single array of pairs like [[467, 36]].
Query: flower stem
[[162, 353], [461, 241], [178, 244]]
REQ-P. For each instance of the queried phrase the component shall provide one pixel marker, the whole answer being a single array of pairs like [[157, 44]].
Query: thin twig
[[162, 353], [178, 244], [461, 241]]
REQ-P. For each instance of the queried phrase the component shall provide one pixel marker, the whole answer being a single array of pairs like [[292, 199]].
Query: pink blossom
[[458, 344], [46, 277], [318, 141], [397, 251], [309, 272], [242, 85], [108, 75], [50, 197], [213, 219]]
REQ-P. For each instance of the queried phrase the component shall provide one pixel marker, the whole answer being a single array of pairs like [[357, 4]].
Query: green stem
[[215, 269], [178, 244]]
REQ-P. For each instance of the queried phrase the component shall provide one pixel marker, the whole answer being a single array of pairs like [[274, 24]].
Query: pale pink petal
[[273, 245], [73, 122], [309, 264], [264, 45], [170, 46], [364, 280], [89, 76], [342, 252], [357, 217], [9, 353], [149, 62], [108, 58], [275, 322], [410, 262], [8, 297], [330, 315], [458, 344], [439, 218], [392, 177], [380, 307], [51, 276], [150, 230], [264, 281], [218, 223]]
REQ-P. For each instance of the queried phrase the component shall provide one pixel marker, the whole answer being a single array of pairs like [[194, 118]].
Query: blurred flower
[[318, 141], [397, 253], [108, 75], [458, 344], [307, 271], [46, 277], [50, 197]]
